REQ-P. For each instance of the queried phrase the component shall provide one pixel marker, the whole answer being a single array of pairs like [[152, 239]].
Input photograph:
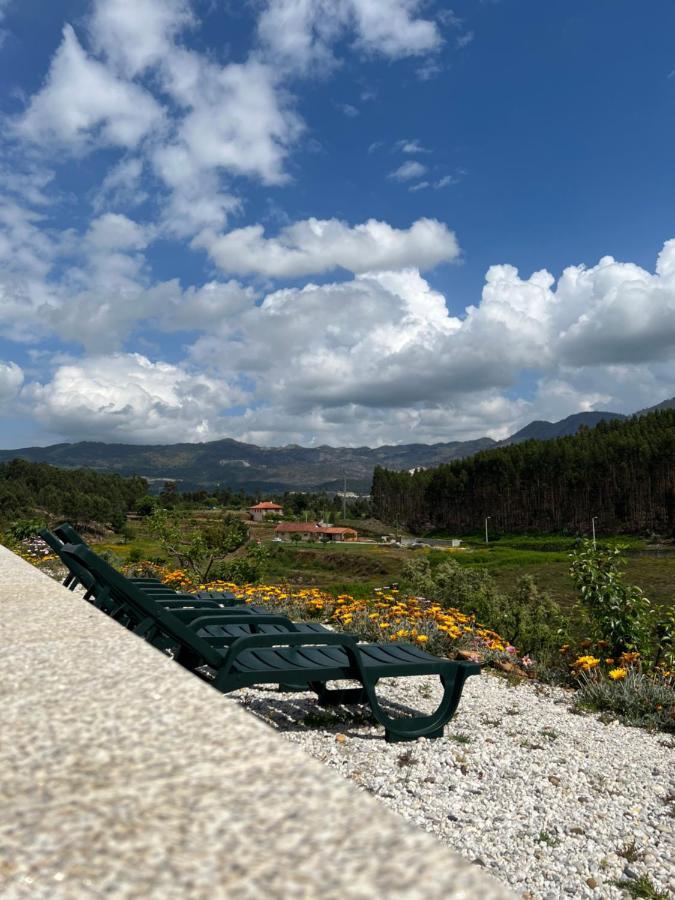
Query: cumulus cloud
[[298, 34], [237, 118], [11, 379], [135, 36], [624, 313], [126, 397], [83, 102], [319, 245]]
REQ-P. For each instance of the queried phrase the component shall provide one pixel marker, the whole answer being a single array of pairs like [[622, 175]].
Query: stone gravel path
[[545, 799]]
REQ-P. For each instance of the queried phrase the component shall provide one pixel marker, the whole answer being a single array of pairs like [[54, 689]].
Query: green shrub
[[609, 609], [533, 622], [24, 528], [135, 555], [473, 591], [638, 699]]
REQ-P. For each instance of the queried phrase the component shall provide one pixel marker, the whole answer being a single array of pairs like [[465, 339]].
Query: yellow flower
[[422, 638], [617, 674], [587, 663]]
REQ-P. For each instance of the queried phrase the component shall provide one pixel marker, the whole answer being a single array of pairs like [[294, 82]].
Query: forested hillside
[[28, 489], [623, 472]]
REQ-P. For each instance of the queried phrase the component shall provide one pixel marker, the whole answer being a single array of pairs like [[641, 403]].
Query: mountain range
[[237, 465]]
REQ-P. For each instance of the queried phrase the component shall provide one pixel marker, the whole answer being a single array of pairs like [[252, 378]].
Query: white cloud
[[319, 245], [126, 397], [114, 231], [408, 170], [137, 35], [11, 379], [618, 312], [237, 118], [389, 27], [83, 102], [122, 185], [411, 147], [299, 34]]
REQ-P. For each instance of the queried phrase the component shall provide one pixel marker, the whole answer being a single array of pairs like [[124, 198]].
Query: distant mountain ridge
[[547, 431], [239, 465]]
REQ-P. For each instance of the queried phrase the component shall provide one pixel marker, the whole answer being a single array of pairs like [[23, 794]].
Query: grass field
[[359, 568]]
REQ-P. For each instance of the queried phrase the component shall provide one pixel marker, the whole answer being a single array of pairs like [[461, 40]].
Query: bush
[[638, 699], [529, 619], [23, 529], [452, 586], [608, 609], [135, 555], [533, 622]]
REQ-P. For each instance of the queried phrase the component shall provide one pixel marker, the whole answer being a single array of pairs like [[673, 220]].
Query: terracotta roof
[[298, 526], [313, 528], [266, 505], [335, 530]]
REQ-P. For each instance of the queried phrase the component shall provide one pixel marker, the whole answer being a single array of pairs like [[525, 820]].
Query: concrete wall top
[[123, 775]]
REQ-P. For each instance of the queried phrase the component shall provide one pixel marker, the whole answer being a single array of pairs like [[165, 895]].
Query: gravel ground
[[545, 799]]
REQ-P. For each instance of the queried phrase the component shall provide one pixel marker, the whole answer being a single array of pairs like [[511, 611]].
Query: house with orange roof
[[261, 511], [313, 531]]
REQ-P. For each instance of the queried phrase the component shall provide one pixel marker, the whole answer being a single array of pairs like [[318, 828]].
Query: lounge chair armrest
[[234, 619]]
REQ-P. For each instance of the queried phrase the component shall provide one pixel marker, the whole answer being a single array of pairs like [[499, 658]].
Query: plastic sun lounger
[[296, 658], [115, 604], [66, 534]]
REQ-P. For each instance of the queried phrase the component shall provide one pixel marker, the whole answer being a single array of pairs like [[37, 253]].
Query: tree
[[198, 550]]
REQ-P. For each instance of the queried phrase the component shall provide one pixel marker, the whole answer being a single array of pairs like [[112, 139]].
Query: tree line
[[622, 472], [28, 489]]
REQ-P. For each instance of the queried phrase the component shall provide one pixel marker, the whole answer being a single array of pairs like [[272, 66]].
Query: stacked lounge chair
[[237, 646]]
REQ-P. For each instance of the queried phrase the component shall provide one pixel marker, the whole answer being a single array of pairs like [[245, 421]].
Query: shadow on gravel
[[301, 713]]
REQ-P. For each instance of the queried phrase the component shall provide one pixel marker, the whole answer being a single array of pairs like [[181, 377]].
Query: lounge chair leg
[[423, 726]]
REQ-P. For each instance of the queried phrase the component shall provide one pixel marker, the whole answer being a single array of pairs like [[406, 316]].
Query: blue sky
[[332, 221]]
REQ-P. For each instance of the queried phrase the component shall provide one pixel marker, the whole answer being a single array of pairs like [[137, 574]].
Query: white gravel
[[543, 798]]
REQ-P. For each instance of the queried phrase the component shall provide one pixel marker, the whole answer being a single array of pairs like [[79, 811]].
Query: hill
[[247, 466], [547, 431], [239, 465]]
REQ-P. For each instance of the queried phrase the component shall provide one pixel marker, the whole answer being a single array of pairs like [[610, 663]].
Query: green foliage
[[533, 622], [623, 472], [609, 609], [527, 617], [146, 505], [24, 528], [638, 699], [78, 495], [246, 569], [451, 585], [199, 548]]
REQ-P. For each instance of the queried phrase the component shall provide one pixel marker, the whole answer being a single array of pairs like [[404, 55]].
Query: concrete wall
[[123, 775]]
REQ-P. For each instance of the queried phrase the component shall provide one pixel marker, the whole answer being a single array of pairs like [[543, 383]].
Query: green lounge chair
[[297, 658], [66, 534]]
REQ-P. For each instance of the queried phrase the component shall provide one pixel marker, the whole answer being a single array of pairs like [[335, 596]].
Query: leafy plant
[[198, 550], [23, 529], [608, 608], [638, 699]]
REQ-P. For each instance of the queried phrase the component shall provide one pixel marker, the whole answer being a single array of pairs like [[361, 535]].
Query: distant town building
[[262, 510], [313, 531]]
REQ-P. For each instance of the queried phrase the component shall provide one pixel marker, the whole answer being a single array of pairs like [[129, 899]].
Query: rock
[[554, 780], [591, 882], [340, 738]]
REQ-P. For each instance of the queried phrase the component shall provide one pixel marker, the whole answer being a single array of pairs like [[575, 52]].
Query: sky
[[342, 222]]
